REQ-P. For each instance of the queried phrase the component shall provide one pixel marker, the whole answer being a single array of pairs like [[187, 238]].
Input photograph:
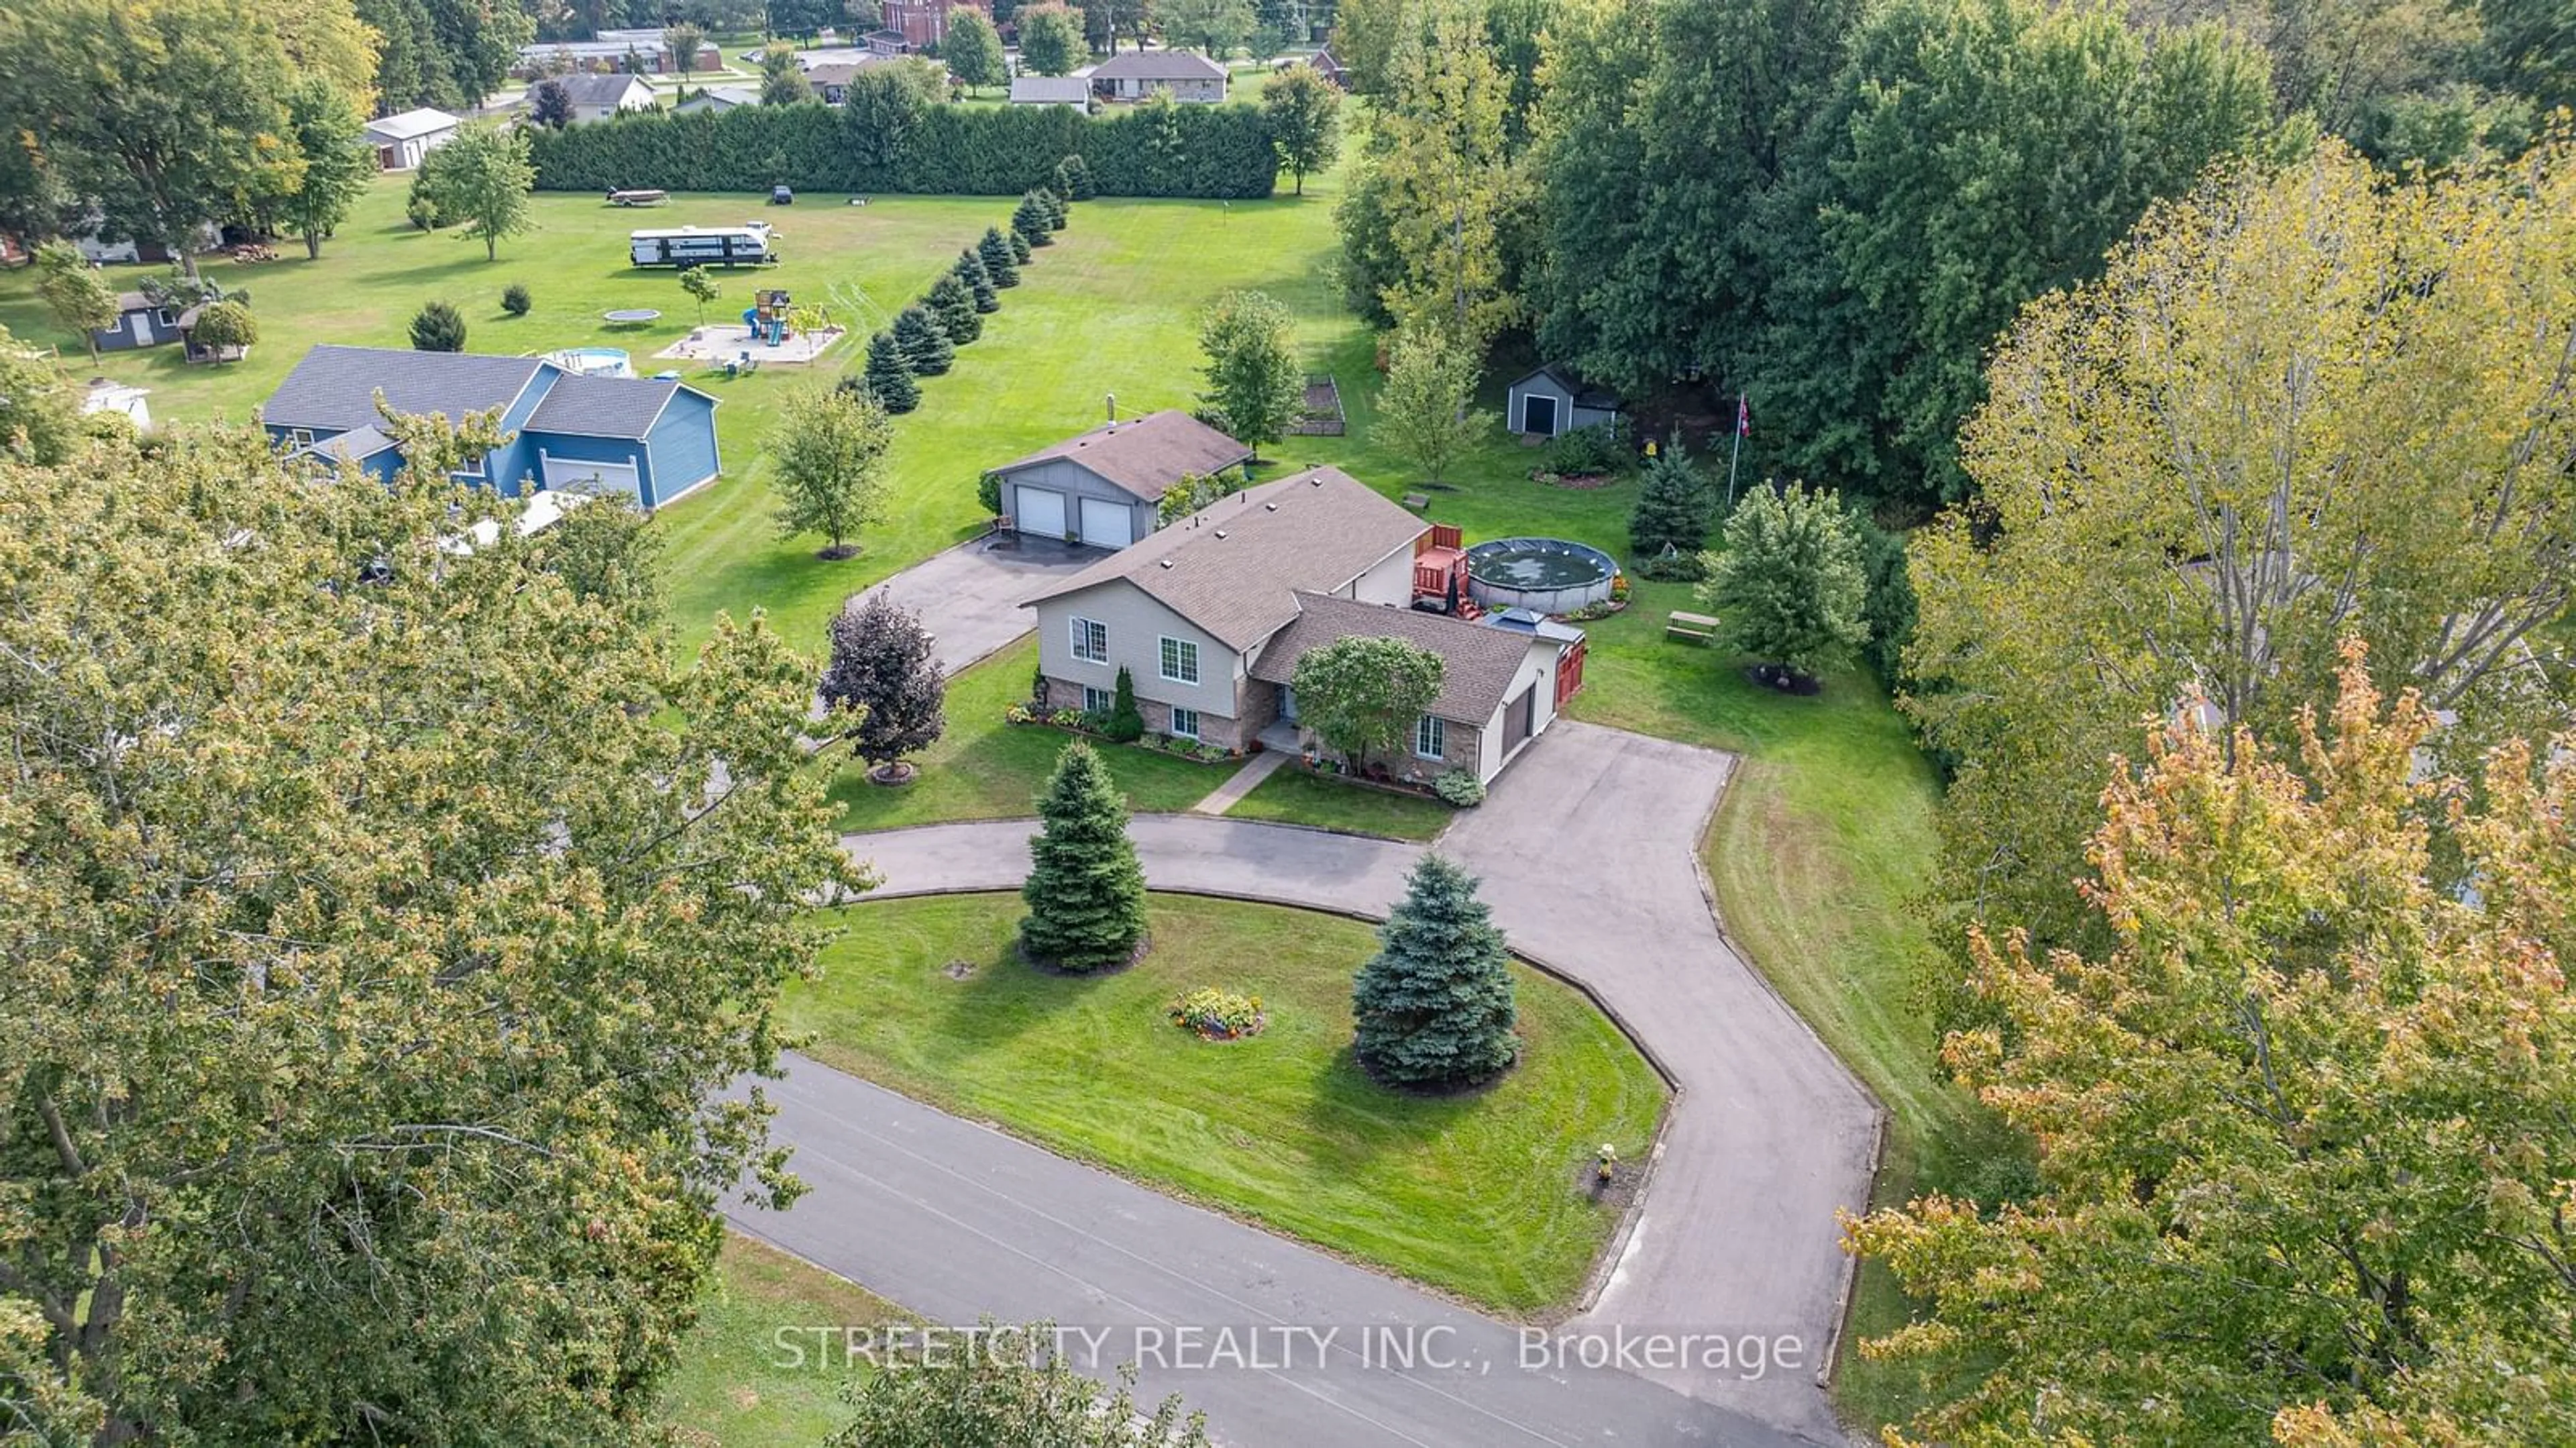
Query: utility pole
[[1743, 425]]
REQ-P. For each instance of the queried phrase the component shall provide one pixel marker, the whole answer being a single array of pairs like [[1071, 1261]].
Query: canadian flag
[[1743, 417]]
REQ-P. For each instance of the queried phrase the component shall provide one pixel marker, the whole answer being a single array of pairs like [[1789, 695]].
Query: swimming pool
[[593, 361], [1543, 575]]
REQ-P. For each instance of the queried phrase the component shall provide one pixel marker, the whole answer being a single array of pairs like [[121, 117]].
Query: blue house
[[652, 441]]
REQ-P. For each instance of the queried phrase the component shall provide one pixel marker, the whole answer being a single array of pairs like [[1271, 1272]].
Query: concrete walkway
[[1586, 851], [1229, 794]]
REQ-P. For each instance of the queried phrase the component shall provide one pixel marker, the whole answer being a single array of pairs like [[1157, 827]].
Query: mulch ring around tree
[[1048, 967], [1621, 1187], [1574, 482], [1786, 681], [901, 772]]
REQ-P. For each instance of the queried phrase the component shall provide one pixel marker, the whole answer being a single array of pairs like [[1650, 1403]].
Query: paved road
[[1585, 849], [956, 1220]]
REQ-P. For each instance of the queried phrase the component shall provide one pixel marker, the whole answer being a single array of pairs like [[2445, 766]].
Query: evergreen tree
[[1058, 213], [954, 308], [1672, 507], [1001, 266], [1126, 722], [970, 270], [1789, 589], [888, 378], [1073, 179], [438, 327], [926, 349], [1085, 892], [1019, 246], [1032, 221], [1434, 1006], [883, 664]]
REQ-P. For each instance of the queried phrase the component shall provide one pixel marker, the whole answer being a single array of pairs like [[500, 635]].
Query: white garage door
[[586, 477], [1106, 524], [1041, 512]]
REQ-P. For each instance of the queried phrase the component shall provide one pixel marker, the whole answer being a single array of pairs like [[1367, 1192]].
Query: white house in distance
[[1139, 73], [598, 97], [719, 98], [1051, 90], [1210, 616], [401, 141], [1105, 487]]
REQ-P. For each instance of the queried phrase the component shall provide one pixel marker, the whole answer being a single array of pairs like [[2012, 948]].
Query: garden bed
[[1074, 721]]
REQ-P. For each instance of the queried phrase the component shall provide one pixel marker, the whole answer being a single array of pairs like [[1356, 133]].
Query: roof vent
[[1220, 532], [1270, 507], [1316, 481], [1167, 563]]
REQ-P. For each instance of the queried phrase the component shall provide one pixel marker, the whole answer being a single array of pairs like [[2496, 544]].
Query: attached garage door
[[1041, 512], [1516, 719], [587, 477], [1106, 524]]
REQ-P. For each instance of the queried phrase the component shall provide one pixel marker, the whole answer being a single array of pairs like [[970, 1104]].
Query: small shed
[[1553, 400], [401, 140], [140, 322]]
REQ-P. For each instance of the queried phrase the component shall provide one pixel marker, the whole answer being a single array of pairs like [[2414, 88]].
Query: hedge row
[[1190, 150]]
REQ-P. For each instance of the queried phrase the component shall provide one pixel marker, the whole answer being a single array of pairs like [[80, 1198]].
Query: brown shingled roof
[[1146, 456], [1234, 568], [1478, 661]]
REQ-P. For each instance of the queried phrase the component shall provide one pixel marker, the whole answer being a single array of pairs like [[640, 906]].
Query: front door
[[1538, 415], [1287, 704]]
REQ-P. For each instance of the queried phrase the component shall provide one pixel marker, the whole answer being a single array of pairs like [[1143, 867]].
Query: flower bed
[[1089, 726], [1387, 783], [1218, 1015]]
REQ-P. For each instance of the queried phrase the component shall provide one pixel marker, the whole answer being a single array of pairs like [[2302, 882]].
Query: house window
[[1091, 640], [162, 316], [1185, 723], [1180, 661], [1430, 740], [300, 436], [1097, 701], [470, 468]]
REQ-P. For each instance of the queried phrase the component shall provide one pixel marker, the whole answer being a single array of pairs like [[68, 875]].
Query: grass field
[[1296, 797], [1477, 1194], [733, 1383]]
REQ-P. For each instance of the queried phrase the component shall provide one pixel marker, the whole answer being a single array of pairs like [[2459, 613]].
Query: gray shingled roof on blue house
[[619, 407], [334, 387], [356, 445]]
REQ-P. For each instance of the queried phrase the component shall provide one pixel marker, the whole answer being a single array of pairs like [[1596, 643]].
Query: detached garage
[[1104, 488], [1107, 524], [1039, 511]]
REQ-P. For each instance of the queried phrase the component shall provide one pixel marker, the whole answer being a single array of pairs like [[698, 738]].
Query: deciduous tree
[[827, 461], [1305, 113], [1448, 175], [1216, 27], [79, 298], [685, 41], [1423, 411], [225, 327], [883, 671], [1789, 588], [1051, 39], [702, 287], [2302, 1126], [339, 165], [550, 103], [482, 178], [1251, 368], [39, 417], [606, 552], [1434, 1006], [365, 1063], [1363, 695], [2294, 409], [1020, 1392], [782, 76], [972, 50], [1085, 891]]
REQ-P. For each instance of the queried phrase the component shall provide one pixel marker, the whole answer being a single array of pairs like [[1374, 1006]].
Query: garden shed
[[1553, 400]]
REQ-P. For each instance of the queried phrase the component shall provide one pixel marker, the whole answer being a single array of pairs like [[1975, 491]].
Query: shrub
[[1673, 568], [1459, 787], [1599, 448], [1217, 1014], [515, 300], [225, 324], [1126, 723], [438, 327], [988, 496], [422, 211]]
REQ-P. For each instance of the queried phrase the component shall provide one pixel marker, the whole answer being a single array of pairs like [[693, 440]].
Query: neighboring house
[[1331, 69], [599, 97], [1051, 90], [1553, 400], [643, 51], [140, 322], [1103, 487], [909, 26], [401, 141], [1139, 73], [91, 239], [1210, 615], [719, 98], [116, 397], [651, 440], [831, 79]]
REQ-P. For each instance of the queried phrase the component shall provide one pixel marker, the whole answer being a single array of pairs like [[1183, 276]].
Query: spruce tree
[[1000, 262], [926, 349], [1073, 179], [1057, 212], [1434, 1006], [1126, 722], [954, 308], [1671, 513], [1019, 246], [1032, 222], [1085, 891], [970, 270], [889, 376]]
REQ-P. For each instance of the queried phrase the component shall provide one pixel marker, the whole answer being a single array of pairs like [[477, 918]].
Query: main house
[[1210, 616], [1105, 487], [652, 441], [1137, 74]]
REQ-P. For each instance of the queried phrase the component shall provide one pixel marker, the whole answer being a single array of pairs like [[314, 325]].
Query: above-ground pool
[[593, 362], [1543, 575]]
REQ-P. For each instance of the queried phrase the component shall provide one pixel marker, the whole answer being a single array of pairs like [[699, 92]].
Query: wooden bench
[[1699, 628]]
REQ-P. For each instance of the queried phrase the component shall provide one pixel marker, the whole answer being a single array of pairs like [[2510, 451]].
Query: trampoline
[[631, 316]]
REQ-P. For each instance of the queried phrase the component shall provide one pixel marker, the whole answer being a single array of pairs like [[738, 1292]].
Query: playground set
[[766, 317]]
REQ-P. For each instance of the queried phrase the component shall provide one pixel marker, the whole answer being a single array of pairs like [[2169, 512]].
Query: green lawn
[[1296, 797], [983, 768], [1477, 1194], [733, 1383]]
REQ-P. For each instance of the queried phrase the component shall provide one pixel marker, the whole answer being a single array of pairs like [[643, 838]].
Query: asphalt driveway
[[969, 597]]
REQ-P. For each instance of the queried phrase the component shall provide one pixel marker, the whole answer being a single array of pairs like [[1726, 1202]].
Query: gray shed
[[1552, 400]]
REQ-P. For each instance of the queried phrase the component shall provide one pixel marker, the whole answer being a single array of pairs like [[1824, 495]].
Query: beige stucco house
[[1210, 615]]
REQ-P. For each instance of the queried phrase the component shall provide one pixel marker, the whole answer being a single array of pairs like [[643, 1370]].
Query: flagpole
[[1736, 453]]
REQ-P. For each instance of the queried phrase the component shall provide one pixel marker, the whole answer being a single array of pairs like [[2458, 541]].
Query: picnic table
[[1698, 628]]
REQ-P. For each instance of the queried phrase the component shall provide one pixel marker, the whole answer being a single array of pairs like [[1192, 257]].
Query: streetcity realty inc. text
[[1287, 1348]]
